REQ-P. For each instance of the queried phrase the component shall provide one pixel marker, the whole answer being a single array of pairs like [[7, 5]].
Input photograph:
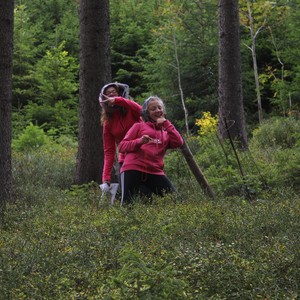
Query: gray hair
[[145, 113]]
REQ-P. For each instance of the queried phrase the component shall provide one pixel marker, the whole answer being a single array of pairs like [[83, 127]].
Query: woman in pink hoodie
[[118, 116], [144, 147]]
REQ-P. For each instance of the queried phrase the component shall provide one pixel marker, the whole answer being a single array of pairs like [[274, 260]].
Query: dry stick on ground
[[196, 170]]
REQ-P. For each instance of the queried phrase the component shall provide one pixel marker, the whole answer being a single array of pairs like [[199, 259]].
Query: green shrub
[[32, 137], [41, 169], [138, 280], [276, 133], [288, 166]]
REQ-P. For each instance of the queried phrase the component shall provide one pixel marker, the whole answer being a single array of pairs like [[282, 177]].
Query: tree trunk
[[254, 59], [186, 114], [196, 170], [95, 71], [6, 54], [231, 108]]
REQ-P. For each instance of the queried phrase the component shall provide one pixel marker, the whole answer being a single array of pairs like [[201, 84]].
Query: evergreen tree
[[24, 58]]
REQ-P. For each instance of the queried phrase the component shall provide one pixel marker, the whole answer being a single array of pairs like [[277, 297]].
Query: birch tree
[[257, 16]]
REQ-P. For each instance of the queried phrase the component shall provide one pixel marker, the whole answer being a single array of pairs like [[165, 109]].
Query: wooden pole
[[196, 170]]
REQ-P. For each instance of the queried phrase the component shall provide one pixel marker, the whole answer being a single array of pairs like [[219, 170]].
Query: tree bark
[[6, 65], [231, 108], [95, 71]]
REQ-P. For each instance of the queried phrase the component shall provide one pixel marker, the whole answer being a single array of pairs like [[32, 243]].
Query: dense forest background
[[154, 45], [60, 239]]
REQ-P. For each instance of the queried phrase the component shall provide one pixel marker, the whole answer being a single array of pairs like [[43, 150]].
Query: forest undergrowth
[[61, 241]]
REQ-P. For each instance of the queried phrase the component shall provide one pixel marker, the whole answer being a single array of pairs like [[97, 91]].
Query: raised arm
[[176, 139]]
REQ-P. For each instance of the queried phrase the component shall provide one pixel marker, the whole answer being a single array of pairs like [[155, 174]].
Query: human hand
[[146, 139], [110, 101], [161, 120], [105, 187]]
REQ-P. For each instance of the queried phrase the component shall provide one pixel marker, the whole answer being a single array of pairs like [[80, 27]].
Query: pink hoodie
[[149, 158], [115, 130]]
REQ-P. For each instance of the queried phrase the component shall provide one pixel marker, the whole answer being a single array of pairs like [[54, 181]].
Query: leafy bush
[[42, 169], [277, 133], [288, 166], [272, 159], [31, 138], [61, 117]]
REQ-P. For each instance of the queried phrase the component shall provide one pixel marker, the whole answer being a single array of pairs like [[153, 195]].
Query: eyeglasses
[[111, 92]]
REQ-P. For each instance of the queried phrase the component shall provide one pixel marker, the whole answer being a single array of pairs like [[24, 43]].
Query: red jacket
[[149, 157], [114, 131]]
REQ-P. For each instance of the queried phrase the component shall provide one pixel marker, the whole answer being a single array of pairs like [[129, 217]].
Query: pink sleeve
[[132, 141], [176, 139], [129, 104]]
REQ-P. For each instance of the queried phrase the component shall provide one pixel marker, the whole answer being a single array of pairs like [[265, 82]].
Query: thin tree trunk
[[186, 114], [254, 59], [6, 54]]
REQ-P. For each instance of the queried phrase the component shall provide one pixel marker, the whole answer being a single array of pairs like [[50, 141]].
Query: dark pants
[[136, 183]]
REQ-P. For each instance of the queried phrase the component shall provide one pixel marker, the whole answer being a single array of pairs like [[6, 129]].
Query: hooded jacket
[[149, 157], [115, 129]]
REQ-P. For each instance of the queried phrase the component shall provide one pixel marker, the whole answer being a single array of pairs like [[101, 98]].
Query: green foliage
[[38, 28], [56, 76], [180, 53], [144, 37], [277, 133], [289, 167], [37, 170], [271, 161], [63, 248], [57, 242], [24, 57], [58, 118], [130, 32], [32, 137], [139, 280]]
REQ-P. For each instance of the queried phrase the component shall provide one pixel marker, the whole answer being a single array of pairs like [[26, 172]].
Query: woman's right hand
[[110, 101]]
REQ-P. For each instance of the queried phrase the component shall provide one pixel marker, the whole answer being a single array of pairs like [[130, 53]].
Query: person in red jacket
[[118, 115], [144, 146]]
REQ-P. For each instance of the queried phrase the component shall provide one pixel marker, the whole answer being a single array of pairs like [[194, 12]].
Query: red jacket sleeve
[[132, 141], [176, 139], [129, 104]]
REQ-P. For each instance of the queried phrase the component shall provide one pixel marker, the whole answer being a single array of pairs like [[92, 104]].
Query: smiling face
[[111, 91], [156, 109]]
